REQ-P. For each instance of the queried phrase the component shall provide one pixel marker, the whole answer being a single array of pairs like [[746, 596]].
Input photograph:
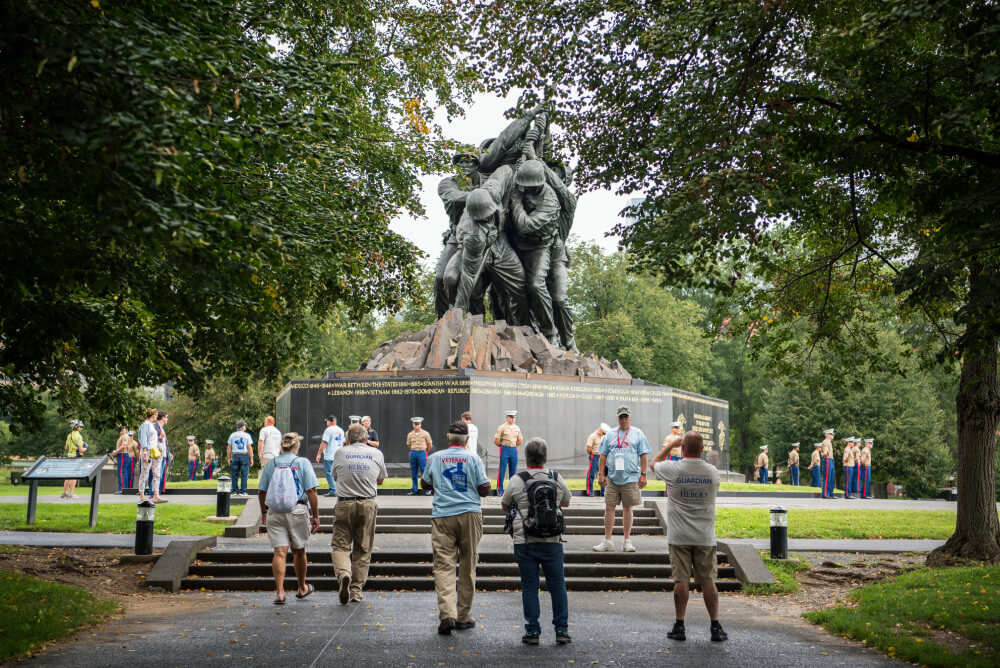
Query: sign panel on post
[[65, 469]]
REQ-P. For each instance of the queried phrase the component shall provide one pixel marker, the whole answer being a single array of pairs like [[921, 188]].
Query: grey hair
[[458, 438], [536, 452], [357, 434]]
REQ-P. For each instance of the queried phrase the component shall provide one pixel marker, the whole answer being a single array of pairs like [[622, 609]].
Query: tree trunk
[[977, 530]]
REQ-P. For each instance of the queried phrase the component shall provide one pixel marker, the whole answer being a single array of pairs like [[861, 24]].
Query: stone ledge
[[746, 560], [173, 564], [247, 524]]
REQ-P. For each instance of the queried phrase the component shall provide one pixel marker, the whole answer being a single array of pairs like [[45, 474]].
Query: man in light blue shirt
[[291, 529], [333, 440], [622, 470], [458, 479], [239, 449]]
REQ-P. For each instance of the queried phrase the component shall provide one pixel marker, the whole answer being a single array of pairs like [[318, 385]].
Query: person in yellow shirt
[[194, 456], [75, 447], [209, 466], [508, 439], [419, 443], [594, 457], [760, 466]]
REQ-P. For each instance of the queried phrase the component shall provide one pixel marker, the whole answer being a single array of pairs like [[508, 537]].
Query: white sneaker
[[604, 546], [627, 546]]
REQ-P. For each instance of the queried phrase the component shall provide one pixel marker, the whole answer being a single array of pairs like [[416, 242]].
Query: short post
[[779, 533], [145, 517], [224, 487]]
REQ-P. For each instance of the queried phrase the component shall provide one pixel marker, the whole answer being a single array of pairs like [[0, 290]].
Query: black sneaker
[[462, 626], [446, 627], [530, 638], [677, 633], [562, 638], [718, 635], [345, 587]]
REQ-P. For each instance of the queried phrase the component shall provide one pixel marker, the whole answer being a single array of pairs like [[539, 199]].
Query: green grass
[[802, 523], [174, 520], [34, 612], [783, 571], [907, 616], [7, 489]]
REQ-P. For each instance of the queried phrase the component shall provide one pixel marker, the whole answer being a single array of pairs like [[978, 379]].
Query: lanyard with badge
[[619, 457]]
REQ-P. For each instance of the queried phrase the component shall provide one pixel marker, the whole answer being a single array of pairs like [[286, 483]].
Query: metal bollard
[[779, 533], [224, 487], [145, 517]]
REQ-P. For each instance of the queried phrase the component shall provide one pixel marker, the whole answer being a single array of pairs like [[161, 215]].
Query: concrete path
[[399, 629], [98, 540]]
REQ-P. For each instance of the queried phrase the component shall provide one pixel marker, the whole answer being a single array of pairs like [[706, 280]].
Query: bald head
[[693, 444]]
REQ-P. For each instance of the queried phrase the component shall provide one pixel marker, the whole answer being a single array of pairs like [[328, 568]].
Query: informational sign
[[73, 468]]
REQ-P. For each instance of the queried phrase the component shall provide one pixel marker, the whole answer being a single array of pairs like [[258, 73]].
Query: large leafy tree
[[832, 151], [185, 183]]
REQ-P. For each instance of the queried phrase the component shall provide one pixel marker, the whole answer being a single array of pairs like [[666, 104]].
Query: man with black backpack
[[534, 500]]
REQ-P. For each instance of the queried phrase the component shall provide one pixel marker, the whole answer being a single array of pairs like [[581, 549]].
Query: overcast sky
[[596, 212]]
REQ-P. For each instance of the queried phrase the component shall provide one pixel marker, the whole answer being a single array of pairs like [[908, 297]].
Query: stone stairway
[[393, 570]]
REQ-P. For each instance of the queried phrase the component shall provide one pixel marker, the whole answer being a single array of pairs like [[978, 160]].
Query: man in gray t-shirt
[[358, 470], [692, 485]]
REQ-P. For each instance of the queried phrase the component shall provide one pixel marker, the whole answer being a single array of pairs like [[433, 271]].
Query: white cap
[[190, 438], [828, 431], [605, 428], [795, 445], [675, 424], [511, 413], [763, 447]]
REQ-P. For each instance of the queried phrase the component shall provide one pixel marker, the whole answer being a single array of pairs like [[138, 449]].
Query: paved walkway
[[399, 629]]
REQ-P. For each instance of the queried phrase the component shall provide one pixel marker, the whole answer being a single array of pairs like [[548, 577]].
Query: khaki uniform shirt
[[122, 444], [418, 440], [793, 458], [814, 461], [194, 454], [508, 434], [593, 442], [209, 455], [849, 458], [826, 451], [866, 456], [762, 460]]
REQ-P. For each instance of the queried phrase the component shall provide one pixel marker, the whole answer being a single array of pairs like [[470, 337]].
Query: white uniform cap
[[675, 424], [795, 445], [605, 428], [416, 420], [190, 438], [828, 431], [763, 447], [511, 413]]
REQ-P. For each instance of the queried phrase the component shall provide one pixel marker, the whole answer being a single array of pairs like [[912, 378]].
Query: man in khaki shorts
[[292, 529], [692, 485], [358, 469], [622, 470]]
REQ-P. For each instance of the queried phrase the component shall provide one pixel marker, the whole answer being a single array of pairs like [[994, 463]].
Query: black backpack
[[544, 518]]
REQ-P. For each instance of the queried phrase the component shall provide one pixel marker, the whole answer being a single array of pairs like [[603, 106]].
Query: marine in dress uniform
[[760, 466], [850, 465], [208, 468], [419, 443], [675, 455], [508, 439], [793, 465], [594, 457], [194, 456], [826, 454], [815, 466], [866, 467]]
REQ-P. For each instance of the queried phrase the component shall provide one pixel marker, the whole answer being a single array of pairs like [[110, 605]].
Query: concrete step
[[427, 584], [496, 511], [604, 571], [571, 529], [498, 519], [256, 556]]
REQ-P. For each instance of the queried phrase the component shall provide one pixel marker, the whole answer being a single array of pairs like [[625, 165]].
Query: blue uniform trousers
[[192, 470], [847, 481], [418, 462], [829, 478], [866, 482], [209, 470], [816, 473], [794, 472], [508, 461], [126, 466], [762, 473], [595, 459]]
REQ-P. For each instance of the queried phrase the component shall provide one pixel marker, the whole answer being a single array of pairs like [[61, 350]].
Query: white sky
[[596, 212]]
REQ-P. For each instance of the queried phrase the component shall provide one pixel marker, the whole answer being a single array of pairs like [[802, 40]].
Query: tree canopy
[[185, 183], [802, 158]]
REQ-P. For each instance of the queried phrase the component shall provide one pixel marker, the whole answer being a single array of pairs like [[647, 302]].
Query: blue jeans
[[548, 556], [240, 471], [418, 462], [794, 471], [508, 460], [328, 474], [762, 472]]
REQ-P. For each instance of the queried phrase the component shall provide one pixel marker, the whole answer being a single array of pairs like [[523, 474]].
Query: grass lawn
[[803, 523], [33, 612], [939, 617], [175, 520], [783, 571]]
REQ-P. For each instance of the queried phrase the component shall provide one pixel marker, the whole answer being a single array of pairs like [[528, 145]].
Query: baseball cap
[[623, 410]]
